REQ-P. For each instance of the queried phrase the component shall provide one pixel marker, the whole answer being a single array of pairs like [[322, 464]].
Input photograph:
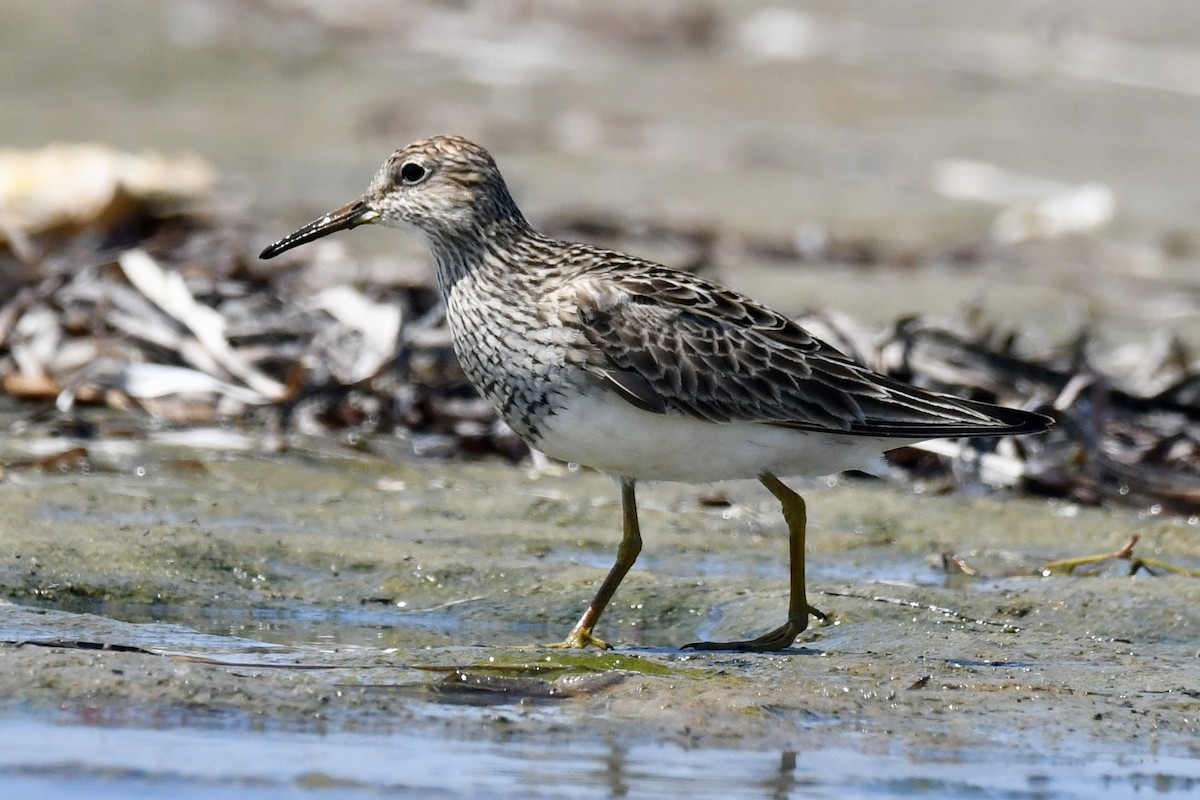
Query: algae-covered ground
[[311, 593]]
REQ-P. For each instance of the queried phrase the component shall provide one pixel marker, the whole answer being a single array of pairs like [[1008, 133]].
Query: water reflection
[[99, 761]]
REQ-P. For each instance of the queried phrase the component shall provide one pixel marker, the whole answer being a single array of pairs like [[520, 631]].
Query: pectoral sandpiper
[[638, 370]]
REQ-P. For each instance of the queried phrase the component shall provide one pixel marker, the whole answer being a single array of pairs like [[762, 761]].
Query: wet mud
[[317, 591]]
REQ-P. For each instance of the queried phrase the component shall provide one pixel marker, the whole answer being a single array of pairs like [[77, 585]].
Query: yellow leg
[[627, 552], [796, 516]]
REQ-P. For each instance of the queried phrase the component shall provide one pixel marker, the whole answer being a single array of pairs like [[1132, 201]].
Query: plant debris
[[157, 309]]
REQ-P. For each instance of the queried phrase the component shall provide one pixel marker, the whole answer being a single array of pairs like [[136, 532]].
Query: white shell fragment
[[1036, 208]]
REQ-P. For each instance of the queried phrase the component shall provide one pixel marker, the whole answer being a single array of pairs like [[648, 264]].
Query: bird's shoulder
[[595, 286]]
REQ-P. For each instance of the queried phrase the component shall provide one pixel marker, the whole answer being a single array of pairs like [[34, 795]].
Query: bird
[[641, 371]]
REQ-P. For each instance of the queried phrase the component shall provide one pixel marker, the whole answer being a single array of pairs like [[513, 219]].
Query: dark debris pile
[[165, 315], [1108, 446]]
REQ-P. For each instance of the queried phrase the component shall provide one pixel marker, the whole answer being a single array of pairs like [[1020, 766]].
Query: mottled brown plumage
[[636, 369]]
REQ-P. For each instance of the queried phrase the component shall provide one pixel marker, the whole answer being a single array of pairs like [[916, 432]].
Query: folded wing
[[691, 347]]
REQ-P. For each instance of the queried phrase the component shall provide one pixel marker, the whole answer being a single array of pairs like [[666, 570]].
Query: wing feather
[[673, 343]]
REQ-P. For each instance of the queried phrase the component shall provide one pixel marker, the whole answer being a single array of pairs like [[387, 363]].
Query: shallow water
[[45, 759]]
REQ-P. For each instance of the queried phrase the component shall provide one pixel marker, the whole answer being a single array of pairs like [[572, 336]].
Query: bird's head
[[446, 187]]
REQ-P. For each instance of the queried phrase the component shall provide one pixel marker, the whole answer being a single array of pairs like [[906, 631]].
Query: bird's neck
[[486, 252]]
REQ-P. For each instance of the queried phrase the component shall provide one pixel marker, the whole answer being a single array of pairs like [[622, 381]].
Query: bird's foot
[[778, 639], [579, 640]]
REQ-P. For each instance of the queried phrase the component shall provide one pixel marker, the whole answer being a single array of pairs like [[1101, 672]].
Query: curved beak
[[348, 216]]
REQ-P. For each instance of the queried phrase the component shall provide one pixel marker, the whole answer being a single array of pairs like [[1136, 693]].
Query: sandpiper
[[638, 370]]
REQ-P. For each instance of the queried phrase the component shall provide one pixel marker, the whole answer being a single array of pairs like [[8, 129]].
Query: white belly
[[604, 432]]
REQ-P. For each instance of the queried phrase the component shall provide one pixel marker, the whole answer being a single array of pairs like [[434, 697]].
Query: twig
[[946, 612], [1068, 565], [1151, 564]]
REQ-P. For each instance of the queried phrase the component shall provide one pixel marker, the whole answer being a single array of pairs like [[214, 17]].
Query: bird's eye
[[412, 172]]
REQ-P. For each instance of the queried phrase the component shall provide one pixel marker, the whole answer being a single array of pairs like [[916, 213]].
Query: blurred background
[[1034, 144]]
